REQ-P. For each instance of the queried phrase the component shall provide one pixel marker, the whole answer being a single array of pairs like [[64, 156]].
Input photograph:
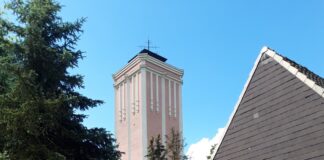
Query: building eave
[[145, 57]]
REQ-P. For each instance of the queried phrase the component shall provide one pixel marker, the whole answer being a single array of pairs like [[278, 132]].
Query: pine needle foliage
[[156, 150], [175, 145], [211, 152], [172, 149], [38, 97]]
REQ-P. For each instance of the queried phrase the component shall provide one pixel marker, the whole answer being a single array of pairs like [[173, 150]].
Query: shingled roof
[[313, 80], [279, 114], [311, 75]]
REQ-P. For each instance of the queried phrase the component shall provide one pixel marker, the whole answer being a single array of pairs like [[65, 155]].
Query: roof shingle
[[311, 75]]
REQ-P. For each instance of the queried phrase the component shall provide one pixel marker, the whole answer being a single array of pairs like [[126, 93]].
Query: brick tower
[[148, 102]]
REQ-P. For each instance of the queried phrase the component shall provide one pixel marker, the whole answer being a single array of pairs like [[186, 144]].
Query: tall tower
[[148, 102]]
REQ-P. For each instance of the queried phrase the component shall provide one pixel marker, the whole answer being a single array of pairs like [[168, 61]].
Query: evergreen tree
[[211, 152], [151, 150], [173, 150], [175, 146], [4, 156], [160, 151], [38, 97], [156, 150]]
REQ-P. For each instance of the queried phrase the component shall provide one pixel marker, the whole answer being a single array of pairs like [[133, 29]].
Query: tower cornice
[[142, 59]]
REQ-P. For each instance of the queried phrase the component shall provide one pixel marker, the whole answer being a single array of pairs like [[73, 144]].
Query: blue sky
[[215, 41]]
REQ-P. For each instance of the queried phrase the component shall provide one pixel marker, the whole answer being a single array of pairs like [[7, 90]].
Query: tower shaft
[[148, 103]]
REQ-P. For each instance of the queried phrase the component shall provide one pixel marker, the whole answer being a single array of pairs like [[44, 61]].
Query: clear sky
[[215, 41]]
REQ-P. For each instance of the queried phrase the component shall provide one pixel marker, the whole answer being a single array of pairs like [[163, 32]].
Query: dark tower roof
[[150, 53]]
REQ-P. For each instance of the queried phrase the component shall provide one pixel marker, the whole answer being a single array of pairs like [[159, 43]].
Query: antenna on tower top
[[149, 45]]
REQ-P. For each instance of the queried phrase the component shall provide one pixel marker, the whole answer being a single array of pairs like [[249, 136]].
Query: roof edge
[[281, 60], [257, 61], [147, 58], [295, 71], [150, 53]]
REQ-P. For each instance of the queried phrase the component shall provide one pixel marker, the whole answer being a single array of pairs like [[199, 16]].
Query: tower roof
[[150, 53]]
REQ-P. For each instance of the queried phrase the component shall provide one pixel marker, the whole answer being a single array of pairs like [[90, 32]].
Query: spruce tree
[[175, 145], [160, 151], [151, 150], [211, 152], [156, 150], [173, 150], [38, 97]]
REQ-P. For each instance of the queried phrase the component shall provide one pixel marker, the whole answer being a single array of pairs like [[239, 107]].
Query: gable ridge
[[309, 78]]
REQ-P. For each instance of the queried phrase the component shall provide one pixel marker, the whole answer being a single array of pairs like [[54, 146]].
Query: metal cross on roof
[[149, 45]]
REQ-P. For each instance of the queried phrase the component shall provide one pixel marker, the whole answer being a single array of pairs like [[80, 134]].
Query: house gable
[[279, 115]]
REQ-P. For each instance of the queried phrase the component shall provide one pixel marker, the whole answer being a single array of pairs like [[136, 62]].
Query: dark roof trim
[[309, 74], [150, 53]]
